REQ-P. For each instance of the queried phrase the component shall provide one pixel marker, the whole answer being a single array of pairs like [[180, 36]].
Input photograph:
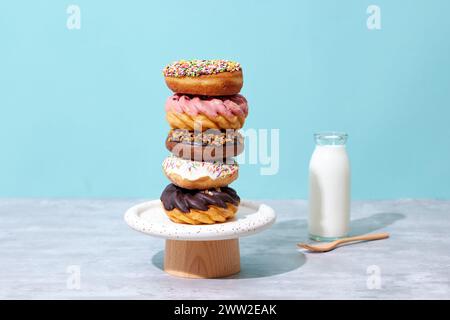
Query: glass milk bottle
[[329, 188]]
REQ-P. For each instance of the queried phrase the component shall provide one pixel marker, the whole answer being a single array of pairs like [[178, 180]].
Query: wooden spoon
[[332, 245]]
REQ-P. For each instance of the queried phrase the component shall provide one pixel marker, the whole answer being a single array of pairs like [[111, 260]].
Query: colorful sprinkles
[[188, 168], [195, 68], [205, 138]]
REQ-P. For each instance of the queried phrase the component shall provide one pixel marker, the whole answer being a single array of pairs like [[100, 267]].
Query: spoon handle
[[367, 237]]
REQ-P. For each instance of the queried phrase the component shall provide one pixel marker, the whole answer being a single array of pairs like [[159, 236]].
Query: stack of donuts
[[205, 113]]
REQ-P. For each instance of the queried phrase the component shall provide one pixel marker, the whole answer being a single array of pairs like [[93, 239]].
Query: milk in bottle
[[329, 188]]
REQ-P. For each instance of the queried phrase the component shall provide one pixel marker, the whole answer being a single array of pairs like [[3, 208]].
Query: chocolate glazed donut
[[210, 145], [174, 197]]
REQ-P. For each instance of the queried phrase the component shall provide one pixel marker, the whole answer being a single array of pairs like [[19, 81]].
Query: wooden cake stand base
[[202, 259], [200, 251]]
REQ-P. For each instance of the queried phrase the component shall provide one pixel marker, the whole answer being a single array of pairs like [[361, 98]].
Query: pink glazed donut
[[203, 113]]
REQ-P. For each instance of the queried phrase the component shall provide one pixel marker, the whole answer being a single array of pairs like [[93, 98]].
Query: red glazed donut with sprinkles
[[204, 77]]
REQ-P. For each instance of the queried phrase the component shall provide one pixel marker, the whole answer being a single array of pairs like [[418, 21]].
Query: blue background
[[82, 110]]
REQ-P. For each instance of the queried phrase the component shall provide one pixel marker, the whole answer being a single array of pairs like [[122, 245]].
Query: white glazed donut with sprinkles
[[191, 174]]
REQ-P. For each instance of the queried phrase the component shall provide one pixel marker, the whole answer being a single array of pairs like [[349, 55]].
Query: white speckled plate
[[150, 218]]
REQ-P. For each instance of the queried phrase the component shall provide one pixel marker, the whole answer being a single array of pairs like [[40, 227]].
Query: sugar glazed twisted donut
[[199, 206], [203, 113], [204, 77]]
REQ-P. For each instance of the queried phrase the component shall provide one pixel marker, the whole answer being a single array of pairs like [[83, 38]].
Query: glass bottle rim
[[331, 138]]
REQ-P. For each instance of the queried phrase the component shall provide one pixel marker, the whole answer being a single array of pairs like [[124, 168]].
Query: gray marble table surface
[[82, 249]]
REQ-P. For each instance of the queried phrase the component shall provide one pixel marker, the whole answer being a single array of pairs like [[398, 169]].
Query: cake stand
[[200, 251]]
